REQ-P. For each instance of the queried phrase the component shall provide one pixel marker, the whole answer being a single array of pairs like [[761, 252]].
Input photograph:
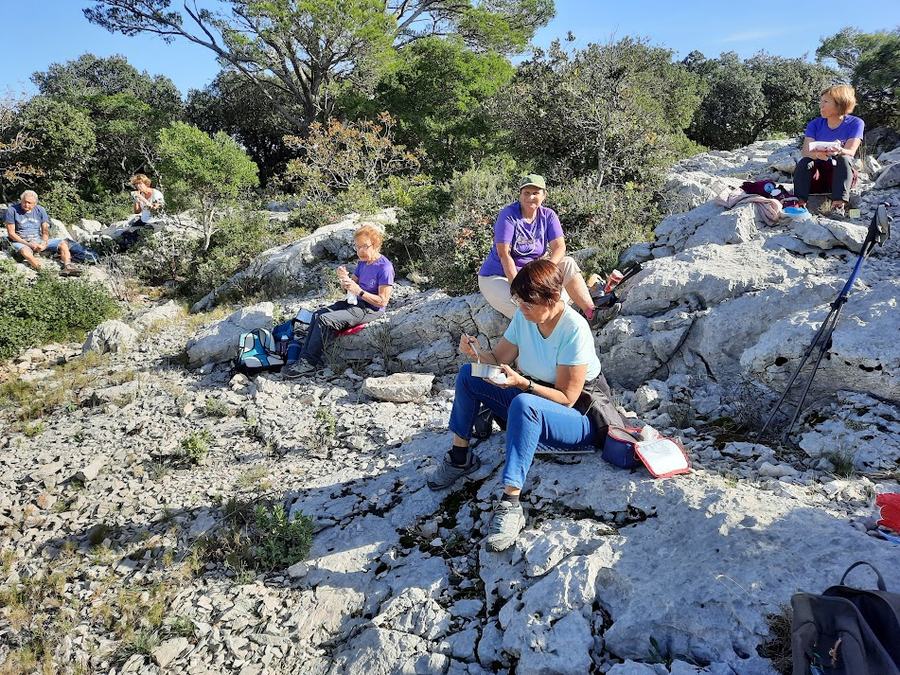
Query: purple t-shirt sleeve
[[554, 227], [504, 227], [857, 127]]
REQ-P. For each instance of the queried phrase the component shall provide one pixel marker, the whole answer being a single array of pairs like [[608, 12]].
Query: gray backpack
[[846, 630]]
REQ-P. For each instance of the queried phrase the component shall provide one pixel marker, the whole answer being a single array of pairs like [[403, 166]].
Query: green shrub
[[605, 220], [195, 446], [240, 238], [451, 226], [48, 309], [259, 535]]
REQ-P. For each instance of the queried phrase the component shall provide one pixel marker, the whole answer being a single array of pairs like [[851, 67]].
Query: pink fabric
[[353, 330], [766, 208]]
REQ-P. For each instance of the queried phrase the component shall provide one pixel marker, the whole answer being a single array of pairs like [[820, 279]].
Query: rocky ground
[[121, 471]]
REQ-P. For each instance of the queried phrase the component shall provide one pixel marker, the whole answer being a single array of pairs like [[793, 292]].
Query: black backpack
[[846, 630]]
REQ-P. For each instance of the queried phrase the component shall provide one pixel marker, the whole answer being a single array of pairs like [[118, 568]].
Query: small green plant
[[326, 427], [258, 537], [195, 446], [256, 478], [141, 642], [33, 429], [181, 626], [842, 461], [216, 407]]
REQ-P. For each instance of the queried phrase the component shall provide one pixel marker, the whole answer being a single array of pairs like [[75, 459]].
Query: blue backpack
[[257, 353]]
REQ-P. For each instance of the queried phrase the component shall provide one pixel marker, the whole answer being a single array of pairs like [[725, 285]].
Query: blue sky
[[42, 32]]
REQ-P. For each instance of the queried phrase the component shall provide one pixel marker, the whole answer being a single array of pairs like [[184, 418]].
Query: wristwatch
[[360, 294], [530, 389]]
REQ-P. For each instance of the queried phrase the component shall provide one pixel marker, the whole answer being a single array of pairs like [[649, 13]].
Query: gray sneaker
[[447, 473], [509, 520], [300, 368]]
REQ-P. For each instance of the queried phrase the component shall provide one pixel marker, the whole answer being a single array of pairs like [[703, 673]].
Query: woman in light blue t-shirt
[[555, 351]]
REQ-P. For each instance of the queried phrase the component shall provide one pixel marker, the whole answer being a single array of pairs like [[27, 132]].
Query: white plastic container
[[487, 371]]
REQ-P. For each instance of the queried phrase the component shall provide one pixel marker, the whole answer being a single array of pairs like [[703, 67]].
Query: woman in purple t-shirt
[[526, 231], [845, 131], [368, 293]]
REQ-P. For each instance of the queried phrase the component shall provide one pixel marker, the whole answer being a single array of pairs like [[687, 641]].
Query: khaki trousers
[[496, 289]]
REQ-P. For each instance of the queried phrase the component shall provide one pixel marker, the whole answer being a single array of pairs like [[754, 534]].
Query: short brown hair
[[140, 179], [844, 97], [373, 233], [539, 282]]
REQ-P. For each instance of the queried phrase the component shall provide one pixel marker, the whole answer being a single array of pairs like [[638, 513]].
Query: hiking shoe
[[508, 521], [300, 368], [70, 270], [447, 473], [603, 316]]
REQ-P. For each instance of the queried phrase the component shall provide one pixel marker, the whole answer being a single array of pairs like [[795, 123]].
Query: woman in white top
[[148, 201]]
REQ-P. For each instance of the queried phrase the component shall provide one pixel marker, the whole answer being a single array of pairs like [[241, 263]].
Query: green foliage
[[438, 95], [203, 172], [872, 63], [259, 536], [237, 241], [325, 430], [338, 156], [333, 45], [47, 310], [604, 221], [616, 109], [195, 446], [748, 100], [451, 226], [229, 105], [64, 139]]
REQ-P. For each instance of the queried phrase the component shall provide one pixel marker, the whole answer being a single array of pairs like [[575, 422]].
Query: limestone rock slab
[[399, 387]]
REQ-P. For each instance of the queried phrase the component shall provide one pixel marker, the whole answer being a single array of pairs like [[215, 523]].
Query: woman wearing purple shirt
[[369, 286], [835, 124], [525, 231]]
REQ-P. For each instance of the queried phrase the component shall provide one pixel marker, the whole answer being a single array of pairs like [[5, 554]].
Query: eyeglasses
[[363, 247], [520, 304]]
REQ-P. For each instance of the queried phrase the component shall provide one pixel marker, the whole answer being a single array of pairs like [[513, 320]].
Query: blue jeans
[[529, 419]]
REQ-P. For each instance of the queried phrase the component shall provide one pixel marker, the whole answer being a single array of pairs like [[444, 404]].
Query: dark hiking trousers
[[841, 176], [328, 321]]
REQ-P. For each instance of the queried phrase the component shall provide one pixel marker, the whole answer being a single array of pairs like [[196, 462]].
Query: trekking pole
[[879, 232]]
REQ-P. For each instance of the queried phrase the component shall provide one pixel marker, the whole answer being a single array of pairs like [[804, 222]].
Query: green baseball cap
[[532, 179]]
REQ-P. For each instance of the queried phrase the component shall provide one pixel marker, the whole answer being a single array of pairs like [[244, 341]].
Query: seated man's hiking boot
[[300, 368], [508, 521], [447, 473], [70, 270]]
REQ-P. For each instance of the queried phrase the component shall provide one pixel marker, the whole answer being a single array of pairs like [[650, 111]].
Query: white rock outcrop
[[110, 336]]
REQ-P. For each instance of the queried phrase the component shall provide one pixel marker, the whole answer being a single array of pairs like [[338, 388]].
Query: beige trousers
[[496, 289]]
